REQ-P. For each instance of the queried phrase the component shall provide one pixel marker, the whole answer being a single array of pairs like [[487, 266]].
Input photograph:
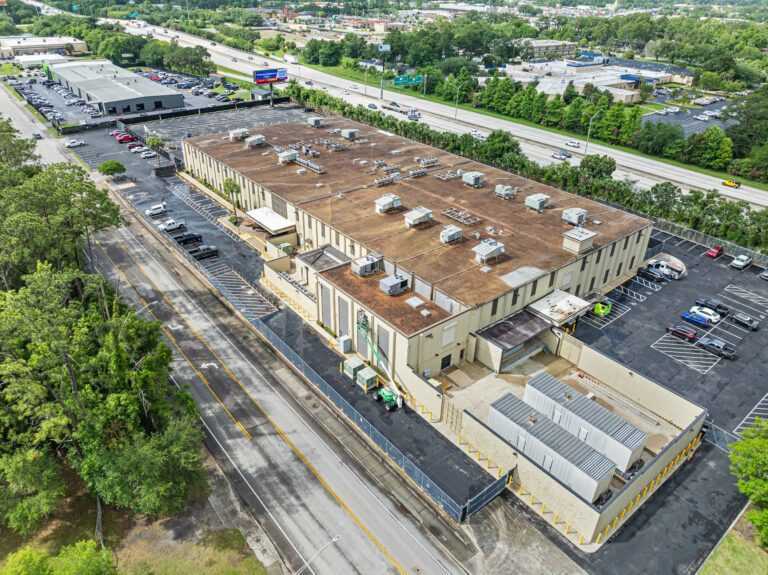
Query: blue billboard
[[270, 76]]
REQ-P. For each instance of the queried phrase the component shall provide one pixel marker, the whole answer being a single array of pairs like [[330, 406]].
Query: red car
[[154, 78], [134, 145], [715, 252], [125, 138], [682, 331]]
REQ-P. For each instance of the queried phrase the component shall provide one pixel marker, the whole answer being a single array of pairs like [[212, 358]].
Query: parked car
[[188, 238], [573, 144], [741, 262], [696, 319], [711, 315], [669, 269], [172, 225], [717, 347], [764, 275], [701, 117], [125, 138], [204, 252], [719, 308], [134, 145], [651, 275], [139, 149], [732, 183], [148, 154], [715, 252], [746, 321], [115, 133], [682, 331], [74, 144], [156, 210]]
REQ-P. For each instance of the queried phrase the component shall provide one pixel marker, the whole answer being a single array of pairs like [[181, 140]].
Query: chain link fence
[[720, 437]]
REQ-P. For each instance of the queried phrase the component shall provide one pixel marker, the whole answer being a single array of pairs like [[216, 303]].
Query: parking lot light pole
[[589, 131]]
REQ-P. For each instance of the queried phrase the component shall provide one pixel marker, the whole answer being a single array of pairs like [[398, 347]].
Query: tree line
[[83, 380]]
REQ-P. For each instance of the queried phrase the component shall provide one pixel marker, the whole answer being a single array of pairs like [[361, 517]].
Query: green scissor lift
[[390, 395], [602, 308]]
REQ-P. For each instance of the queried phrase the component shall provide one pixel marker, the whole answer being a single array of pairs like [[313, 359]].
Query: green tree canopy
[[111, 167], [749, 463]]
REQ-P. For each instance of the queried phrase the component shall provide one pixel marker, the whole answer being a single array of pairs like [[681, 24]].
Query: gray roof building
[[115, 90]]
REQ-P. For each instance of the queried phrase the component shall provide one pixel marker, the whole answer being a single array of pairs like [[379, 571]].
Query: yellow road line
[[280, 432]]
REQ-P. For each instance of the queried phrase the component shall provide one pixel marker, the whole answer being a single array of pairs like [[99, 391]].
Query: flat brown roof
[[394, 309], [343, 197]]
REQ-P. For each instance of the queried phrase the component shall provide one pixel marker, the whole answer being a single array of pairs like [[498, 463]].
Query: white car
[[673, 110], [139, 149], [74, 144], [345, 92], [741, 262], [573, 144], [702, 117], [147, 154], [353, 87], [662, 112], [706, 312], [156, 210]]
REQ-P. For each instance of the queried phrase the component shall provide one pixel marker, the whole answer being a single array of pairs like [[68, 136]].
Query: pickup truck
[[172, 225], [717, 347]]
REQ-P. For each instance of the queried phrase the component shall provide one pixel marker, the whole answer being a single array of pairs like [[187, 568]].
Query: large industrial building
[[17, 46], [461, 269], [113, 89]]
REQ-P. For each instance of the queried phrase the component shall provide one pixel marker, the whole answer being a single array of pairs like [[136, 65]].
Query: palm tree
[[155, 144], [232, 189]]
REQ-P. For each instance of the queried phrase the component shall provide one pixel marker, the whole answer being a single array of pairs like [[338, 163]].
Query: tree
[[645, 90], [232, 189], [111, 168], [156, 144], [84, 558], [597, 167], [749, 463], [27, 561]]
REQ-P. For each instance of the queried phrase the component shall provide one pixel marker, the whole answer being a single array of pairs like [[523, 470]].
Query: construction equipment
[[390, 395], [602, 309]]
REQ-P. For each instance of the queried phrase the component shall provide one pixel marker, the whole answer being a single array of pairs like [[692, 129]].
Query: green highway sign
[[408, 80]]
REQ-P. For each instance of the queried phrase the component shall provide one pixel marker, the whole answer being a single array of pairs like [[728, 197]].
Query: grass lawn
[[737, 556], [652, 106], [7, 69]]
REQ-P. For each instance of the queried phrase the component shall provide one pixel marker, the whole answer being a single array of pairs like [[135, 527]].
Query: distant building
[[11, 47], [37, 60], [541, 48]]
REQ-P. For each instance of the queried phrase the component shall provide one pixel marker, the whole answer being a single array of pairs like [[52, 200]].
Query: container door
[[547, 465], [556, 416]]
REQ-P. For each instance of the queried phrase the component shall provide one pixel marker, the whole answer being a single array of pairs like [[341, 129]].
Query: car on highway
[[148, 154], [651, 275], [354, 87], [373, 106], [188, 238], [308, 82], [250, 57], [732, 183], [566, 153], [715, 252], [682, 331], [746, 321], [156, 210], [711, 315], [394, 104], [170, 225], [696, 319], [74, 144], [559, 156], [719, 308], [741, 262], [345, 92], [233, 59], [573, 144], [717, 347], [37, 136], [204, 252]]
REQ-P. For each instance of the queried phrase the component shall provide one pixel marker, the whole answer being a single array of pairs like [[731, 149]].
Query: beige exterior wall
[[287, 292]]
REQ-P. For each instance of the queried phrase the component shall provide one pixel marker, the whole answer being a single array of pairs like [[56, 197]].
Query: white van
[[669, 269], [156, 210]]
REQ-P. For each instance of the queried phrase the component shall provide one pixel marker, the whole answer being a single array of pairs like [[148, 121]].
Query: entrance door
[[446, 362]]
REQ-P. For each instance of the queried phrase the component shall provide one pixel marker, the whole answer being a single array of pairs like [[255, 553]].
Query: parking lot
[[636, 336], [686, 116]]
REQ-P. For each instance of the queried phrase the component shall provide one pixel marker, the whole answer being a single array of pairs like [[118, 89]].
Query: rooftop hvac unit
[[387, 202], [450, 234], [474, 179], [383, 181], [505, 192], [487, 250], [350, 134], [239, 134], [417, 173], [318, 169], [253, 141], [315, 122], [352, 366], [575, 216], [538, 202], [393, 285], [287, 156], [426, 162], [417, 216], [391, 169], [364, 266]]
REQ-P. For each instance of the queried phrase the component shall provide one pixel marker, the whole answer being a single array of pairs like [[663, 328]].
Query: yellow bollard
[[406, 399], [637, 498], [663, 474], [616, 520], [623, 511], [543, 507], [459, 438], [607, 527], [531, 498], [469, 447], [422, 409], [413, 401], [341, 367], [581, 539], [598, 538], [521, 488], [567, 528], [644, 491], [630, 506], [555, 521], [478, 455], [488, 465], [498, 475], [509, 484]]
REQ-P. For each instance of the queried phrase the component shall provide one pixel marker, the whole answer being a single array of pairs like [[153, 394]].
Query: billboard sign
[[270, 76], [383, 47]]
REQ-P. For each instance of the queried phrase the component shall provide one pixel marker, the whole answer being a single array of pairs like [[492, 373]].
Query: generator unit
[[474, 179], [393, 285], [418, 215], [538, 202], [255, 140], [417, 173], [575, 216], [427, 162], [352, 366], [387, 203], [364, 266], [238, 134], [350, 134], [315, 122], [367, 378], [450, 233], [487, 250], [287, 156], [505, 192]]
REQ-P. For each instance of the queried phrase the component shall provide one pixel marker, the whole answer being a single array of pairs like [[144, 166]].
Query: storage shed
[[551, 447], [606, 432]]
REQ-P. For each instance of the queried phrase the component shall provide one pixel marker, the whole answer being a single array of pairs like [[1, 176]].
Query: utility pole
[[589, 131], [425, 85], [458, 90]]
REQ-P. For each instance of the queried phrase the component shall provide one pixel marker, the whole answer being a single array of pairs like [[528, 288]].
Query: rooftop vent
[[350, 134], [239, 134], [538, 202], [487, 250], [417, 173], [425, 312], [415, 302], [450, 234], [315, 122], [364, 266], [575, 216], [474, 179], [418, 215], [393, 285], [505, 192], [578, 240], [387, 202], [255, 140], [426, 162]]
